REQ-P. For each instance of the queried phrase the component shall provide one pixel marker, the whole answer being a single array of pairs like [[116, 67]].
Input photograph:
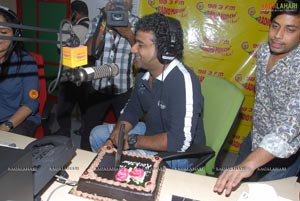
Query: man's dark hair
[[158, 24], [289, 7], [80, 7]]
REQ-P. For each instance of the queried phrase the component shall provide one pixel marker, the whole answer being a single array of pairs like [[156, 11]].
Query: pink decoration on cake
[[137, 175], [122, 175], [137, 172]]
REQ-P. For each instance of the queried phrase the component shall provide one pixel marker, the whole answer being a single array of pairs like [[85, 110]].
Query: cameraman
[[106, 45]]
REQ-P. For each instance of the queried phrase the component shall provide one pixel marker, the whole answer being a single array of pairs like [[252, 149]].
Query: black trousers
[[97, 105], [68, 96]]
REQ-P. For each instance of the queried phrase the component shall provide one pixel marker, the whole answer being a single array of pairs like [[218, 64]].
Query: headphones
[[14, 19], [167, 52]]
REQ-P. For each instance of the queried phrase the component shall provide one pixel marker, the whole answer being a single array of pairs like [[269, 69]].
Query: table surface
[[178, 183]]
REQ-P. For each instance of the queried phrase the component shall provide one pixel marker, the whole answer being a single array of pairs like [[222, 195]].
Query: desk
[[175, 182]]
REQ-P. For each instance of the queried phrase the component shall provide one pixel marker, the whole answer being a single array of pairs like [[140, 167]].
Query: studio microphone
[[89, 73]]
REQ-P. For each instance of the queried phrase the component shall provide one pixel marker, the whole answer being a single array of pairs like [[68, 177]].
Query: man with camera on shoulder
[[110, 38]]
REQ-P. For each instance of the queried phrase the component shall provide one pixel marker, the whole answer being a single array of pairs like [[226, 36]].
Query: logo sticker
[[34, 94]]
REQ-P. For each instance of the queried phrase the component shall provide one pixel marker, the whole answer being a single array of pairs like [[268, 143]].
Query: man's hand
[[125, 145], [231, 177], [114, 139], [4, 128], [109, 6], [126, 32]]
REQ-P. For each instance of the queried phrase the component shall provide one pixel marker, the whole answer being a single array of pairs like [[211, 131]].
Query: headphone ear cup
[[167, 53], [162, 51], [18, 33]]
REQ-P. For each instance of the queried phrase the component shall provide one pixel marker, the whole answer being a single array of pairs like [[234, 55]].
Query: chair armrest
[[203, 153], [193, 152]]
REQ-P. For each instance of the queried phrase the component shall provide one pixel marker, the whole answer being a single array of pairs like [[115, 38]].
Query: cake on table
[[137, 178]]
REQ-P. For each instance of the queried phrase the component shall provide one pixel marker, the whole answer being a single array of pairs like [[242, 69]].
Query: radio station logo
[[169, 7], [216, 46], [263, 18], [248, 84], [222, 12], [251, 51]]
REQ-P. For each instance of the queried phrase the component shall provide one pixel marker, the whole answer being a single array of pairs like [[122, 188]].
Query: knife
[[120, 147]]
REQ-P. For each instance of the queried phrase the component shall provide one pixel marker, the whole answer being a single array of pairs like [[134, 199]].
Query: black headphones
[[15, 19], [167, 52]]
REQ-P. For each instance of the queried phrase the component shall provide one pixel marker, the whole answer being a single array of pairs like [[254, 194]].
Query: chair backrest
[[222, 103], [43, 88]]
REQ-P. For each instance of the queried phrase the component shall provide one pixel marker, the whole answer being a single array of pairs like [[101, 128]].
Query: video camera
[[117, 15]]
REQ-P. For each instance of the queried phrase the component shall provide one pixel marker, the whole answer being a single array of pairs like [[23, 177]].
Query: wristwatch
[[132, 140], [9, 125]]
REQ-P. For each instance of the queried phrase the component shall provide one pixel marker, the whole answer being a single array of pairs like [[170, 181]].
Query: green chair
[[222, 103]]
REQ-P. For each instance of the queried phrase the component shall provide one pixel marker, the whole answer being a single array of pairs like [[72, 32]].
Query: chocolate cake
[[137, 178]]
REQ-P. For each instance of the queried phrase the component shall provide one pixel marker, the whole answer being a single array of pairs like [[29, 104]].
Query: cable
[[53, 84], [60, 186], [161, 95], [64, 181]]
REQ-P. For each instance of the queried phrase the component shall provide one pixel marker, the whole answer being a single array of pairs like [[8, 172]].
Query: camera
[[117, 15]]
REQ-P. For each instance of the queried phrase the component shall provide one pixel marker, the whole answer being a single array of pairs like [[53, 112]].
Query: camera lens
[[117, 16]]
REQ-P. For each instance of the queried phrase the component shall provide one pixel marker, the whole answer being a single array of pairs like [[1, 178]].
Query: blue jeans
[[278, 168], [99, 135]]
